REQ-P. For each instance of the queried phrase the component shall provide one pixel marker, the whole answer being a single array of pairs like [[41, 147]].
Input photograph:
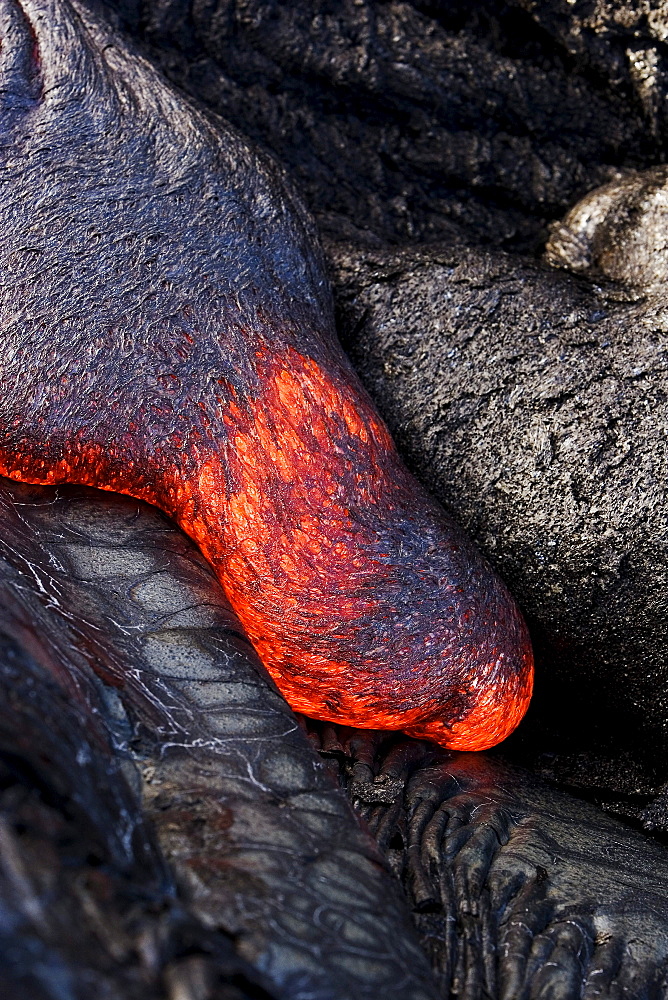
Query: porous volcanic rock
[[623, 44], [412, 121], [534, 405]]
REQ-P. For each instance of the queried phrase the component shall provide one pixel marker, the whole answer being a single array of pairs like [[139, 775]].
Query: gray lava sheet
[[263, 846], [519, 890], [159, 796], [88, 907]]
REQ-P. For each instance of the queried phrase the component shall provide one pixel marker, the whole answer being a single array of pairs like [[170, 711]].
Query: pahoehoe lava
[[200, 838], [146, 673], [89, 906], [517, 890], [167, 332], [165, 830]]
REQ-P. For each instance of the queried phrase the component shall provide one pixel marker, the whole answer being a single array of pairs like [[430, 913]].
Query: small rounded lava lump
[[535, 405], [618, 231]]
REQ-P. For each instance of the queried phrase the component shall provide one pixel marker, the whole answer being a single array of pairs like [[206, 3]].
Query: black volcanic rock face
[[621, 44], [155, 790], [409, 121], [534, 405], [89, 905]]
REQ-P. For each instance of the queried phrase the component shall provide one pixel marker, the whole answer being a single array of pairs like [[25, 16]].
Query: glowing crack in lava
[[167, 332]]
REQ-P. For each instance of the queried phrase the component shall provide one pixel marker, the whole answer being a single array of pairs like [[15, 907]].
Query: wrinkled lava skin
[[167, 332]]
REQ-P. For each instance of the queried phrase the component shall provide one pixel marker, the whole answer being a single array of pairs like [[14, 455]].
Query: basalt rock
[[534, 405], [88, 904], [621, 44], [618, 232], [518, 890], [264, 848], [546, 386], [409, 121]]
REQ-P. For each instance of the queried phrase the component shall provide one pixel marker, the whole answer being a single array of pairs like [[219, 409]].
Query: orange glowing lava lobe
[[192, 362]]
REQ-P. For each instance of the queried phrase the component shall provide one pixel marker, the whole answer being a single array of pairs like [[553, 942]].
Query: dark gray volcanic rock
[[532, 402], [621, 43], [534, 405], [88, 906], [519, 891], [406, 120], [264, 848], [618, 232]]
